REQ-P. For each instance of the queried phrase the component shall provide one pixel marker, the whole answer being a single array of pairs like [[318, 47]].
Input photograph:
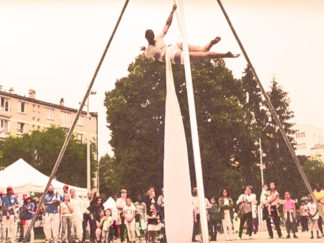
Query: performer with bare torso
[[157, 48]]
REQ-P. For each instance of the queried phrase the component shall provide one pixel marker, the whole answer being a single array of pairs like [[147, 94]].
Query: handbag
[[245, 207]]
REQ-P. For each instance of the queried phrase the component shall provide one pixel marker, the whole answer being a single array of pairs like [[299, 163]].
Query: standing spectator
[[213, 212], [9, 205], [129, 217], [95, 208], [226, 206], [303, 210], [319, 196], [263, 201], [245, 204], [66, 210], [150, 199], [153, 220], [108, 222], [77, 214], [196, 213], [140, 216], [313, 218], [51, 217], [29, 209], [86, 214], [120, 204], [289, 210], [65, 191], [160, 203], [272, 205]]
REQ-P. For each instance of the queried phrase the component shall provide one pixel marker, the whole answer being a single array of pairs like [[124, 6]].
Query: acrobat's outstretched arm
[[169, 21]]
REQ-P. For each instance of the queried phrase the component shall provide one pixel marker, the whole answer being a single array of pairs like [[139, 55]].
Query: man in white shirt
[[77, 215], [157, 48], [245, 202], [120, 204], [196, 212]]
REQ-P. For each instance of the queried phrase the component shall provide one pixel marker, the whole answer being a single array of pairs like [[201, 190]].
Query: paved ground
[[261, 237]]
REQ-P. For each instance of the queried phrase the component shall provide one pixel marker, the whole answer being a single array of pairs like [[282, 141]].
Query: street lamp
[[261, 165], [88, 144]]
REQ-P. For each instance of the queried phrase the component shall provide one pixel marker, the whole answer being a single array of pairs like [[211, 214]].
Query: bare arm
[[169, 21]]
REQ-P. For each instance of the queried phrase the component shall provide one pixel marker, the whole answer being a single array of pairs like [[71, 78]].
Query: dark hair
[[149, 35], [109, 211], [224, 189], [274, 185]]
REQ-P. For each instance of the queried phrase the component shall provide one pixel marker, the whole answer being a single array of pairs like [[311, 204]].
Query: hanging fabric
[[177, 187]]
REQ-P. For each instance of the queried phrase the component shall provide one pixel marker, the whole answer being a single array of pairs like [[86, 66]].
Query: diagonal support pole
[[70, 133], [272, 110]]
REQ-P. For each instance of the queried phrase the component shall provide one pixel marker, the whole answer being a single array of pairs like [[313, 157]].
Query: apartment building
[[20, 114], [307, 138]]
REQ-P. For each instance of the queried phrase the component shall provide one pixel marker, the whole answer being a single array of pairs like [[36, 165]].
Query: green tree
[[40, 149], [135, 115], [280, 166]]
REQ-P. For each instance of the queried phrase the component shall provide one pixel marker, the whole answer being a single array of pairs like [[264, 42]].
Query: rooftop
[[33, 100]]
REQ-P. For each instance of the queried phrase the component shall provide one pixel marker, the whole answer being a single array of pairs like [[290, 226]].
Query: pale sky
[[54, 46]]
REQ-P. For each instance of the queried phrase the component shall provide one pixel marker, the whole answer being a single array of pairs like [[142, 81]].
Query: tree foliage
[[231, 115], [135, 115], [40, 149]]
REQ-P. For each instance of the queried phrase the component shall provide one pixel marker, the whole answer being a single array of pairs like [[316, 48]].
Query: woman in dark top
[[153, 223], [150, 199], [95, 209]]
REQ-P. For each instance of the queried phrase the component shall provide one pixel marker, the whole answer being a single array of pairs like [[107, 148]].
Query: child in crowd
[[303, 210], [107, 223], [66, 210], [313, 218], [289, 210], [214, 217], [129, 216], [99, 222], [140, 217]]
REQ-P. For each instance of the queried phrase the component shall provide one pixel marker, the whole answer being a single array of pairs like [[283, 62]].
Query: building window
[[81, 121], [65, 118], [301, 146], [22, 107], [20, 127], [4, 104], [4, 126], [300, 134]]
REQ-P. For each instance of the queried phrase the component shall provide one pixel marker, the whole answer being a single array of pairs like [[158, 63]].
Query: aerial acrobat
[[157, 48]]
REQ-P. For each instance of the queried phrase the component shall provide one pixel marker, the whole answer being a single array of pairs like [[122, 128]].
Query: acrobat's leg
[[199, 55], [206, 48]]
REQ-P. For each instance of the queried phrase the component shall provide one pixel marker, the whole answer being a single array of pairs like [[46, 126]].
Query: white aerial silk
[[176, 171], [177, 187]]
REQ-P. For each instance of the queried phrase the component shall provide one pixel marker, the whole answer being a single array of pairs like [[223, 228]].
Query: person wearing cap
[[10, 219], [52, 217], [29, 209], [65, 191]]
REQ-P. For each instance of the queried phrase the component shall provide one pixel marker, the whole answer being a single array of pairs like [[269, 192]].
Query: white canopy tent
[[24, 178]]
